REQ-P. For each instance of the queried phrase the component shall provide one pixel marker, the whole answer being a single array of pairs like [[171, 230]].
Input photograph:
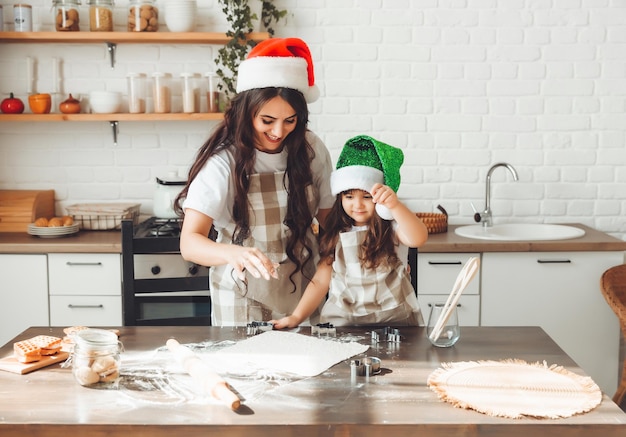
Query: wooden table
[[397, 402]]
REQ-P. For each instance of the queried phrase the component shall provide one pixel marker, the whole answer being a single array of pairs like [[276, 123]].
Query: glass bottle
[[96, 357], [143, 16], [136, 93], [100, 15], [66, 16], [161, 93]]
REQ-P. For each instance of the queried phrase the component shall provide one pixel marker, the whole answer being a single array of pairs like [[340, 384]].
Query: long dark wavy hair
[[237, 133], [379, 246]]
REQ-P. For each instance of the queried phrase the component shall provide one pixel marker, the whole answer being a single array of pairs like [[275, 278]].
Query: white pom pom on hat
[[281, 63]]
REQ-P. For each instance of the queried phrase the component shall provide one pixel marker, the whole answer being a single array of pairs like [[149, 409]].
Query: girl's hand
[[254, 261], [286, 322], [384, 195]]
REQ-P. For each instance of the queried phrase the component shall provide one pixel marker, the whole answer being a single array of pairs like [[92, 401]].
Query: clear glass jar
[[212, 93], [190, 93], [96, 357], [143, 16], [161, 93], [136, 93], [66, 16], [100, 15]]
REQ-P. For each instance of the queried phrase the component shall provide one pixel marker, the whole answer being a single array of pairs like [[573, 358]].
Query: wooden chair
[[613, 287]]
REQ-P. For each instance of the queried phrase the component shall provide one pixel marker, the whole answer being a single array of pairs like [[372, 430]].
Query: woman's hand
[[286, 322], [252, 260]]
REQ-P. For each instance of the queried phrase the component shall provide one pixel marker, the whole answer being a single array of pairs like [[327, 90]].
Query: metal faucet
[[485, 216]]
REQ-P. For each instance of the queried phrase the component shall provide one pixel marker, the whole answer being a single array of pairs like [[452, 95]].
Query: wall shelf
[[123, 37], [112, 117]]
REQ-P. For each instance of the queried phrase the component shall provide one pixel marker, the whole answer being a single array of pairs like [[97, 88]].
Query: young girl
[[366, 282]]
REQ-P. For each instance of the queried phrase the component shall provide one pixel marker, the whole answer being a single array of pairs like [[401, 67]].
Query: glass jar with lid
[[66, 16], [100, 15], [143, 16], [96, 357]]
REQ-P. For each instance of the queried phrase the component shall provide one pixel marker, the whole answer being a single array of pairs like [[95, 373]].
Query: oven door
[[179, 308]]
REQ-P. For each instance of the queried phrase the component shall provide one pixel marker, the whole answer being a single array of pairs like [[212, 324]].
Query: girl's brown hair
[[236, 132], [379, 246]]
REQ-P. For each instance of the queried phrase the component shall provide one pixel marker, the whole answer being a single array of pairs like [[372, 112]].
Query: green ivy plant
[[240, 18]]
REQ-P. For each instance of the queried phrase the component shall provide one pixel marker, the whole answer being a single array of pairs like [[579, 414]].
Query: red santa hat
[[281, 63]]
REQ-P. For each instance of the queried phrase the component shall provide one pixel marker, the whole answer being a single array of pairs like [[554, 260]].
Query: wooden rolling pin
[[209, 381]]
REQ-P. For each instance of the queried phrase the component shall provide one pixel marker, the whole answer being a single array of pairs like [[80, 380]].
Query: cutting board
[[10, 364]]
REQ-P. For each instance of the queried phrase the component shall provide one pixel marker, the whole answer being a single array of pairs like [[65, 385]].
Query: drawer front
[[85, 274], [437, 272], [86, 310], [468, 308]]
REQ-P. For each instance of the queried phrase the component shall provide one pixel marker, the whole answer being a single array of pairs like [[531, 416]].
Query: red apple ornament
[[12, 105]]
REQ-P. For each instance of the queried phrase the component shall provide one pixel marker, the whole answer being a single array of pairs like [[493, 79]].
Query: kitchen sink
[[520, 232]]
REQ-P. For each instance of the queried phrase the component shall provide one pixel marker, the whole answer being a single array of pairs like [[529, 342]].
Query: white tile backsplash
[[458, 86]]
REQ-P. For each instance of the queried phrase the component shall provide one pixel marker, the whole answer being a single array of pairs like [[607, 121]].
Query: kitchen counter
[[397, 402], [81, 242], [110, 242]]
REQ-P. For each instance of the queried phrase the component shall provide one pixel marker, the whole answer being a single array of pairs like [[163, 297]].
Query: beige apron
[[361, 296], [235, 302]]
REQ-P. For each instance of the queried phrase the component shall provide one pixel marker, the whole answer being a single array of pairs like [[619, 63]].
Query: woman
[[259, 180]]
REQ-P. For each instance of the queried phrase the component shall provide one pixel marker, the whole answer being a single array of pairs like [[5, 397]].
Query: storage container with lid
[[161, 93], [143, 16], [100, 15], [23, 17], [96, 357], [66, 15]]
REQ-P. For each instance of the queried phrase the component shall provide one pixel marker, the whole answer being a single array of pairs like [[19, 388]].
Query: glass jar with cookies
[[143, 16], [96, 357], [66, 15], [100, 15]]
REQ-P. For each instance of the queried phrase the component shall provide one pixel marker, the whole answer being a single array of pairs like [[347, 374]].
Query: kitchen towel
[[515, 389]]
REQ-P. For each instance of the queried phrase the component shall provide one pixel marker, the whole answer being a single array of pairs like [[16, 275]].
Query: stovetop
[[155, 227]]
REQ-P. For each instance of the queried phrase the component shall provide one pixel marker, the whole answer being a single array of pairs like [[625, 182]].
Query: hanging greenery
[[240, 18]]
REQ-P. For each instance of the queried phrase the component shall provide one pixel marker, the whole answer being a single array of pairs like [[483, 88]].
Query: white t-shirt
[[212, 192]]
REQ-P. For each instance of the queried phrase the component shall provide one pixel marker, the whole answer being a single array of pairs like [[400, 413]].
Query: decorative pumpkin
[[12, 105], [70, 106]]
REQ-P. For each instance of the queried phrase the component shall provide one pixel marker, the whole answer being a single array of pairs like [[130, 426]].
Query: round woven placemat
[[515, 388]]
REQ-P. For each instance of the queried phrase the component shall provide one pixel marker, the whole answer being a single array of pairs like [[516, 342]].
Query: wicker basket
[[436, 223], [103, 216]]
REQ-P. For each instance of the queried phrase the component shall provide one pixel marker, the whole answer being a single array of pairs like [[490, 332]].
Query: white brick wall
[[458, 84]]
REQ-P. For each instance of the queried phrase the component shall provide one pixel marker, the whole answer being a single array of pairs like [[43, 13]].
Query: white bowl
[[105, 102]]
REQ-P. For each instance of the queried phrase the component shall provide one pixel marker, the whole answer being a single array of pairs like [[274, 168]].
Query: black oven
[[160, 288]]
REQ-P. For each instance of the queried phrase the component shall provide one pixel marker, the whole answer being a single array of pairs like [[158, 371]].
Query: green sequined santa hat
[[365, 161]]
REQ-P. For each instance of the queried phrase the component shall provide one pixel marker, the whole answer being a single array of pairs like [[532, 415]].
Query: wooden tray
[[10, 364]]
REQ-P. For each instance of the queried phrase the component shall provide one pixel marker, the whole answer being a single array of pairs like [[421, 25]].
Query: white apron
[[358, 296], [235, 302]]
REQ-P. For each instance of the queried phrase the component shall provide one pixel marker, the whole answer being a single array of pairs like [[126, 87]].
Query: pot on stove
[[166, 191]]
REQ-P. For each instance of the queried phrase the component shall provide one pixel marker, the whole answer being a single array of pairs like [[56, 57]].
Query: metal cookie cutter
[[254, 327], [386, 334], [324, 329], [364, 367]]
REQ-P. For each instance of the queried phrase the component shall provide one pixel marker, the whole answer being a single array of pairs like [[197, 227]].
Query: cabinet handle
[[69, 263], [554, 261], [445, 263], [458, 305], [85, 306]]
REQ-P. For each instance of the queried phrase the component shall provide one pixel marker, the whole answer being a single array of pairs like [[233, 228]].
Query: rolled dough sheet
[[290, 352]]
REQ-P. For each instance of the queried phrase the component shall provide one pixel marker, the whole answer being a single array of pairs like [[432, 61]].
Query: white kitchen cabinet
[[436, 274], [559, 291], [85, 289], [23, 293]]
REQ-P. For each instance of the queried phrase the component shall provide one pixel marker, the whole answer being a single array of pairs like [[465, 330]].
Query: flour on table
[[289, 352]]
